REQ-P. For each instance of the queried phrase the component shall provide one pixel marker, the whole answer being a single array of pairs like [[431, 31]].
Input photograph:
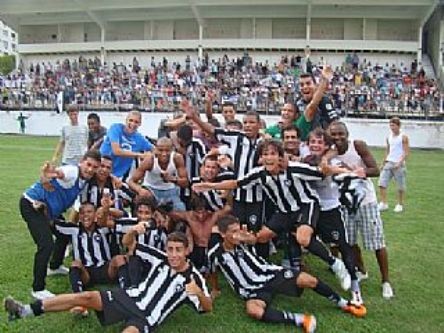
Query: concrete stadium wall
[[422, 134]]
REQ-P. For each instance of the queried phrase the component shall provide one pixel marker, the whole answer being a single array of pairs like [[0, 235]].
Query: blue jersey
[[65, 191], [134, 142]]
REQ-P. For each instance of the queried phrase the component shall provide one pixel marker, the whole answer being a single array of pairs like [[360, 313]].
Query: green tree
[[7, 64]]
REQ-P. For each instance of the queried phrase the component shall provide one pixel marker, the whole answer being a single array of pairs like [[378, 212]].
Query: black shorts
[[199, 257], [117, 306], [331, 226], [99, 275], [308, 214], [249, 214], [283, 283]]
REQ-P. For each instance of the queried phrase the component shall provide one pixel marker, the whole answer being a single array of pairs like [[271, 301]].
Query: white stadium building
[[397, 31]]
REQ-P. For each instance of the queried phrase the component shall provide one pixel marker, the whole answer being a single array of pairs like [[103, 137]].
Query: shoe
[[309, 323], [387, 291], [357, 298], [342, 274], [61, 270], [356, 310], [382, 206], [79, 311], [13, 308], [398, 208], [361, 276], [42, 294]]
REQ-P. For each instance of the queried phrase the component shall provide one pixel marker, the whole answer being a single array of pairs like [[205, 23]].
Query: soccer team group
[[164, 219]]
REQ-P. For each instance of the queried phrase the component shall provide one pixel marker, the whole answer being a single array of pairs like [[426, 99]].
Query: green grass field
[[414, 238]]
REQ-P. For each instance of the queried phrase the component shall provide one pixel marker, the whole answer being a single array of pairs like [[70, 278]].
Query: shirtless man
[[200, 221], [162, 173]]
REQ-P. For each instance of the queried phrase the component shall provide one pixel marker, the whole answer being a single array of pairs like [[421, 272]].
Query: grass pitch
[[414, 238]]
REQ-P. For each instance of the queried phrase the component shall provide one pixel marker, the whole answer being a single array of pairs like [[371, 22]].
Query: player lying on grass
[[171, 282]]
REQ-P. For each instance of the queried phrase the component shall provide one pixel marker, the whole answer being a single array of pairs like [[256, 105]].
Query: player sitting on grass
[[256, 281], [171, 282]]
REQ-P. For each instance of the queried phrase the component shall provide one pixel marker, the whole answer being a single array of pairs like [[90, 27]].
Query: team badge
[[179, 288], [156, 238], [288, 274], [252, 219], [335, 235], [97, 238], [287, 182]]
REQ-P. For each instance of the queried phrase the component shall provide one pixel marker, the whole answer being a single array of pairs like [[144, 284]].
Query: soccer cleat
[[342, 274], [79, 311], [61, 270], [356, 310], [13, 308], [398, 208], [309, 323], [387, 291], [357, 298], [42, 294], [382, 206]]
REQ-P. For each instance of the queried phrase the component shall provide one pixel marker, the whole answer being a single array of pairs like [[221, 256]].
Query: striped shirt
[[289, 189], [245, 271], [91, 249], [213, 199], [195, 154], [245, 157], [154, 236], [163, 289]]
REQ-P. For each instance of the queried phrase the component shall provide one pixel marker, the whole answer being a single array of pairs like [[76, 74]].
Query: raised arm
[[312, 107], [231, 184], [192, 115]]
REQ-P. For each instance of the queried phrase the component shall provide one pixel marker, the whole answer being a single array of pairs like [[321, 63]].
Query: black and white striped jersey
[[163, 289], [245, 157], [195, 154], [245, 271], [289, 189], [91, 249], [213, 199], [154, 236]]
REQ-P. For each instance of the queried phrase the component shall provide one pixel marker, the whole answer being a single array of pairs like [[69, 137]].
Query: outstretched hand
[[201, 187], [327, 72], [192, 288]]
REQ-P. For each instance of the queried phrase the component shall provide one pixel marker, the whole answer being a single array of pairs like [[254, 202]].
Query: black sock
[[324, 290], [275, 316], [37, 308], [349, 260], [123, 276], [75, 278], [319, 250], [294, 253]]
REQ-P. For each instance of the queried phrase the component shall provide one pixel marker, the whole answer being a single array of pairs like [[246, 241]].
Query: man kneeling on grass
[[256, 281], [171, 282]]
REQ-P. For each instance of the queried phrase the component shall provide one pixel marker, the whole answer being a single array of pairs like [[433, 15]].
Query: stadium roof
[[39, 12]]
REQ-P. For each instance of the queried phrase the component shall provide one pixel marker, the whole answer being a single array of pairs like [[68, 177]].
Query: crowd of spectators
[[358, 87]]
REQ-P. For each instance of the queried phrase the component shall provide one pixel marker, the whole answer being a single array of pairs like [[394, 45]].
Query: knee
[[88, 298], [76, 264], [254, 311], [303, 238], [306, 280], [119, 260]]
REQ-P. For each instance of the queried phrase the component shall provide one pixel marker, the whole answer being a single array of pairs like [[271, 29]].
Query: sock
[[123, 276], [324, 290], [349, 260], [75, 279], [37, 308], [294, 253], [275, 316], [355, 285], [26, 311], [318, 249]]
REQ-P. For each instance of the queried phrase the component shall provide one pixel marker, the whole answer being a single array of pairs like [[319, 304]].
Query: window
[[5, 44], [13, 46], [5, 32], [12, 34]]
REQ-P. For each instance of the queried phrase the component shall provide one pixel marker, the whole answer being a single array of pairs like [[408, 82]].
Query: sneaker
[[398, 208], [42, 294], [309, 323], [61, 270], [357, 298], [356, 310], [382, 206], [13, 308], [342, 274], [387, 291], [79, 311], [361, 276]]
